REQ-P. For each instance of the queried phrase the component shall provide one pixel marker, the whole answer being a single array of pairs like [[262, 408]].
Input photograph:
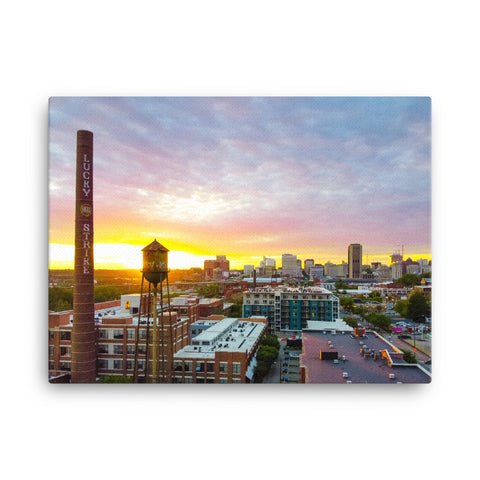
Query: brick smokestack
[[84, 353]]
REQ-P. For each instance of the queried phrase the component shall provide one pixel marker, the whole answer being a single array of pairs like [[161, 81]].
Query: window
[[118, 334], [210, 380], [130, 349], [177, 365], [223, 380], [65, 366], [118, 349], [130, 364], [236, 368], [51, 350], [143, 334], [65, 335], [118, 364], [102, 348], [200, 367], [141, 350], [51, 335], [187, 366], [102, 364], [65, 351], [199, 380], [210, 366], [188, 379], [223, 367], [103, 333], [130, 334]]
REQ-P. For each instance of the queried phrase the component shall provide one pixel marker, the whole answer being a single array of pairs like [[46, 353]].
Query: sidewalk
[[423, 352]]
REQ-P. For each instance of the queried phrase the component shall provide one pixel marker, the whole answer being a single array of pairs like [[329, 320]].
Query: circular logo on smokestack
[[86, 209]]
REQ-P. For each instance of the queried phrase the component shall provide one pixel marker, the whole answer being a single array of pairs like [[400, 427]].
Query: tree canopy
[[418, 307], [409, 280]]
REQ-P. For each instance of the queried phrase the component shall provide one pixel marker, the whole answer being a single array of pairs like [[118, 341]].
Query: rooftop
[[358, 368], [229, 334], [316, 290]]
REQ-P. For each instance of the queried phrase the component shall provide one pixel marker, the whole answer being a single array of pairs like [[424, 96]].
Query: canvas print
[[233, 240]]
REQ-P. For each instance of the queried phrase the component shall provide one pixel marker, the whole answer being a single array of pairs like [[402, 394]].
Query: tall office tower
[[309, 263], [289, 265], [354, 260], [84, 350]]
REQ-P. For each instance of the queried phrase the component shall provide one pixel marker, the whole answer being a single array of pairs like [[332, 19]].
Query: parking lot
[[287, 367]]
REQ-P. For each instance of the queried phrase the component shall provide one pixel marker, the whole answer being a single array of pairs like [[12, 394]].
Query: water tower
[[155, 271]]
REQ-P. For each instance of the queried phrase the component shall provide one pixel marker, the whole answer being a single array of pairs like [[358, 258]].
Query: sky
[[244, 177]]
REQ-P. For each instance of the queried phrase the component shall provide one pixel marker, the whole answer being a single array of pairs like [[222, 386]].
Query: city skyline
[[244, 177]]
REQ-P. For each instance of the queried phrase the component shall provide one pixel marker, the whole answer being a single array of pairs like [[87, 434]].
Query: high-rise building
[[309, 263], [248, 269], [354, 260], [317, 271], [289, 265]]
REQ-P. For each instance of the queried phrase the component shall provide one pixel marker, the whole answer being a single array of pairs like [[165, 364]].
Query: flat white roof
[[338, 325], [229, 334]]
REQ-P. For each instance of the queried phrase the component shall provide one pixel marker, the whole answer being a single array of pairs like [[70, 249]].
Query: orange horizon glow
[[125, 256]]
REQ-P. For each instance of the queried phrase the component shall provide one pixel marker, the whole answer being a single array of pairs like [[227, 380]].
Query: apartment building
[[223, 352], [121, 338], [291, 308]]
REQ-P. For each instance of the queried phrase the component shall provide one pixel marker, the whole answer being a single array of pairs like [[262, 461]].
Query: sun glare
[[125, 256], [120, 256]]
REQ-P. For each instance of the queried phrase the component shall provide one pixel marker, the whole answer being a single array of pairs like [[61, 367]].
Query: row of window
[[295, 297], [209, 367], [118, 365], [105, 334], [203, 380]]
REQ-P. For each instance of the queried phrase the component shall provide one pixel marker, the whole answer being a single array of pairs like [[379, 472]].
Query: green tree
[[408, 356], [105, 293], [340, 285], [115, 379], [209, 291], [347, 303], [261, 369], [409, 280], [237, 307], [379, 321], [267, 353], [375, 296], [351, 322], [418, 307], [401, 307], [272, 341], [60, 299]]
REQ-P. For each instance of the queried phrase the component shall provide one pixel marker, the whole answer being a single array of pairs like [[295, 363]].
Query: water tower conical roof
[[154, 246]]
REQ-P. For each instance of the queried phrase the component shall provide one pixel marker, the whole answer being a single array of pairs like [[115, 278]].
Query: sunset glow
[[244, 177]]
